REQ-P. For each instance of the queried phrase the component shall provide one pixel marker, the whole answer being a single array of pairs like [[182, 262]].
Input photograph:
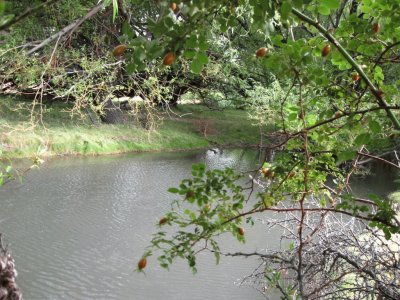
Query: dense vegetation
[[187, 127], [324, 72]]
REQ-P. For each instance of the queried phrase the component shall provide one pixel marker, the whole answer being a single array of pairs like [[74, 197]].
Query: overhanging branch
[[376, 92], [67, 28]]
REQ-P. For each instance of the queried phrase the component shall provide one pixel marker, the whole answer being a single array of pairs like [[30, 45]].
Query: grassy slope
[[191, 127]]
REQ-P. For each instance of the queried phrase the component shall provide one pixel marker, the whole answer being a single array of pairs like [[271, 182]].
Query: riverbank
[[55, 132]]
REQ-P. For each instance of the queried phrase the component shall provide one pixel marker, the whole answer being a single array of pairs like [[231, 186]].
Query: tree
[[322, 71], [92, 55], [330, 58]]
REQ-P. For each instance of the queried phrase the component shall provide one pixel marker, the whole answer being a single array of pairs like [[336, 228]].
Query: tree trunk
[[111, 113], [8, 287]]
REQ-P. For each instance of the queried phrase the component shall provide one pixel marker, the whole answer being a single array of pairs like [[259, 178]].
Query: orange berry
[[162, 221], [119, 50], [173, 6], [261, 52], [325, 51], [241, 231], [376, 27], [142, 263], [356, 76], [266, 172], [169, 58]]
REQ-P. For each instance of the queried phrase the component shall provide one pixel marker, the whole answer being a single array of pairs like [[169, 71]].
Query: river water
[[78, 226]]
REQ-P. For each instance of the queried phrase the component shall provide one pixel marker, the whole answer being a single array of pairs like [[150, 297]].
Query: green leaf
[[362, 139], [340, 61], [169, 23], [191, 42], [173, 190], [311, 119], [196, 66], [222, 23], [127, 30], [346, 156], [298, 3], [286, 8], [158, 29], [131, 68], [217, 257], [374, 126], [203, 45], [189, 53], [277, 40], [378, 74], [332, 4], [115, 9], [292, 116], [326, 6], [199, 167], [387, 233], [2, 6], [202, 58], [323, 10]]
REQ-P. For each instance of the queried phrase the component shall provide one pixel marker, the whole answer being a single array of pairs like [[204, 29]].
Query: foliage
[[81, 68], [218, 200], [330, 104], [327, 80], [6, 174]]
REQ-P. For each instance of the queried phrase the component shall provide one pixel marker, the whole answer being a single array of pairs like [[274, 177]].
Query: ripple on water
[[79, 225]]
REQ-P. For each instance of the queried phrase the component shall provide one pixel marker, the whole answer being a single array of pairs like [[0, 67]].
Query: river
[[77, 227]]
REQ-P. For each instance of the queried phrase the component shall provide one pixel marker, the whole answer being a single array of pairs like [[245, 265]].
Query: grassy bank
[[57, 133]]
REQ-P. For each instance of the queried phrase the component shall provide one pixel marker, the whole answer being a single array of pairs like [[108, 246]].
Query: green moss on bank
[[189, 127]]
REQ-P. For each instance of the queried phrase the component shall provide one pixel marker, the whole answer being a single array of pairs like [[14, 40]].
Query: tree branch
[[317, 209], [378, 158], [377, 93], [68, 28]]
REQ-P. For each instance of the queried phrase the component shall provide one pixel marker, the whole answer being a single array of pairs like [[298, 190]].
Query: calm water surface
[[77, 227]]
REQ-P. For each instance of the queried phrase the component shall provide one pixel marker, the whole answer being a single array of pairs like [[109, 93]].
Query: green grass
[[189, 127]]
